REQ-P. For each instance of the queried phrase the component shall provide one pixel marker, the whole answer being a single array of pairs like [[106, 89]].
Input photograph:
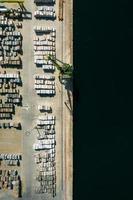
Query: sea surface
[[103, 92]]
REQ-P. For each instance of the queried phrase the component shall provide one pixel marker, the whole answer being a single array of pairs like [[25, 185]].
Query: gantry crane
[[66, 70]]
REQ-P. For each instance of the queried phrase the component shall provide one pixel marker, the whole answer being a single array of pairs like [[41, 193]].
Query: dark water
[[103, 130]]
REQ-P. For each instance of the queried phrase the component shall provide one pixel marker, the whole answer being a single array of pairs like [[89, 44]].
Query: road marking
[[26, 107]]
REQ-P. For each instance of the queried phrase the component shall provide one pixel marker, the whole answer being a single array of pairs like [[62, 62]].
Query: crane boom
[[55, 63], [65, 69]]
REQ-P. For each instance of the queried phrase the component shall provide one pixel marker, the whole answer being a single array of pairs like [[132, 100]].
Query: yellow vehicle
[[11, 1], [60, 15]]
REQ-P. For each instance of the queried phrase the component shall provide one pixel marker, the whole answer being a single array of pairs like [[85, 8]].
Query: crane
[[66, 70]]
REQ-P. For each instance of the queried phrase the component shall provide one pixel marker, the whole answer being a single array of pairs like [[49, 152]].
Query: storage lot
[[28, 113]]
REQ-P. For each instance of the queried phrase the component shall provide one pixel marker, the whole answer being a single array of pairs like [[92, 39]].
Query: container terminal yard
[[36, 57]]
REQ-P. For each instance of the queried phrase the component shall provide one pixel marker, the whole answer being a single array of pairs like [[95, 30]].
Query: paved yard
[[19, 141]]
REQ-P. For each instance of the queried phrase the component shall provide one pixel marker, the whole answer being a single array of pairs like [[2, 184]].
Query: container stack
[[44, 45], [44, 86], [10, 43], [45, 159], [11, 97]]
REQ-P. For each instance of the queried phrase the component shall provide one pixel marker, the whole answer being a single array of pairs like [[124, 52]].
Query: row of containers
[[10, 94], [10, 97], [44, 85], [11, 179], [10, 57], [45, 148], [44, 45]]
